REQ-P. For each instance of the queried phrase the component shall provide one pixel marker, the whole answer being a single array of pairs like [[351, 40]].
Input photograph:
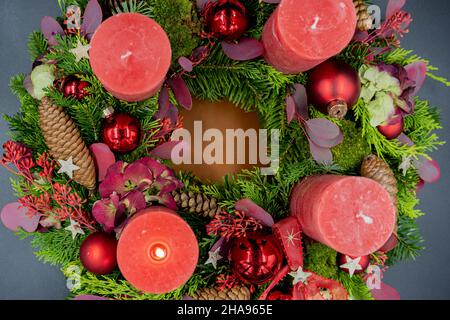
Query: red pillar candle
[[157, 251], [302, 34], [353, 215], [131, 55]]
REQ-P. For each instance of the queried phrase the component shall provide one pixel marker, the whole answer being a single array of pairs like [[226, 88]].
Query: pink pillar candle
[[302, 34], [130, 54], [157, 251], [353, 215]]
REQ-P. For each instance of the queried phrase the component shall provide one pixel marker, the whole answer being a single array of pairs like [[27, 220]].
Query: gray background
[[23, 277]]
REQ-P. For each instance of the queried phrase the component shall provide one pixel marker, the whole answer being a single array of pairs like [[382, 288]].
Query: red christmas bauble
[[226, 19], [278, 295], [98, 253], [363, 263], [74, 87], [333, 88], [121, 132], [394, 128], [255, 258]]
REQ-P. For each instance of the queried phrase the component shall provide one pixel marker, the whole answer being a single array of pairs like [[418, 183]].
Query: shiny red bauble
[[98, 253], [363, 262], [255, 258], [121, 132], [278, 295], [226, 19], [333, 88], [75, 88], [394, 128]]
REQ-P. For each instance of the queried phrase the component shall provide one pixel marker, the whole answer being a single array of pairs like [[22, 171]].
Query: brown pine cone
[[236, 293], [377, 169], [64, 140], [365, 20], [196, 203]]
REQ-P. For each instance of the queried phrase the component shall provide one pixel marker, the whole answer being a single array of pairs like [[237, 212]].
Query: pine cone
[[377, 169], [197, 203], [365, 20], [236, 293], [64, 141]]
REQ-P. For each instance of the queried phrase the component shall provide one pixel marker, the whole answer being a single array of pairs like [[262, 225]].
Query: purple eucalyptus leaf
[[172, 114], [321, 129], [360, 36], [187, 298], [301, 100], [50, 28], [404, 139], [181, 92], [417, 72], [164, 151], [186, 64], [328, 143], [92, 18], [163, 103], [246, 49], [223, 245], [201, 3], [14, 216], [252, 210], [290, 108], [321, 155], [272, 1], [429, 170], [393, 7], [28, 85], [200, 52]]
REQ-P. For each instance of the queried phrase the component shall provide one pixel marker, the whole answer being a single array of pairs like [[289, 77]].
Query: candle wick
[[126, 55], [366, 218], [316, 22]]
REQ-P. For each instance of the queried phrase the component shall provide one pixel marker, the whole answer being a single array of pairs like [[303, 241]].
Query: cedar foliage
[[253, 86]]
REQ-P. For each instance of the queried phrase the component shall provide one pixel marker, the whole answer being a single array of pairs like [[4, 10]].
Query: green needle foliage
[[253, 86]]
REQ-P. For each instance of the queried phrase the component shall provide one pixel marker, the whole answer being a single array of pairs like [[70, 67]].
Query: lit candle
[[302, 34], [130, 54], [353, 215], [157, 251]]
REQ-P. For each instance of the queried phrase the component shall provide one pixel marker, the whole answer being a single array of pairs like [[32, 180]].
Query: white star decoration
[[406, 164], [68, 167], [213, 257], [292, 237], [352, 265], [74, 228], [81, 51], [300, 275]]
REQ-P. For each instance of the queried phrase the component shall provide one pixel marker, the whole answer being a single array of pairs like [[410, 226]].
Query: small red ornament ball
[[98, 253], [333, 88], [226, 19], [121, 132], [255, 258], [278, 295], [363, 262], [394, 128], [74, 87]]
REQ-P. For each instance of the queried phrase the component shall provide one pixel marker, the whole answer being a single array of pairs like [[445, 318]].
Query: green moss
[[351, 152], [179, 19], [321, 259]]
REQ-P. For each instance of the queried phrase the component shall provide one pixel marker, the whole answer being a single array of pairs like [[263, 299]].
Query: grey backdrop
[[22, 277]]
